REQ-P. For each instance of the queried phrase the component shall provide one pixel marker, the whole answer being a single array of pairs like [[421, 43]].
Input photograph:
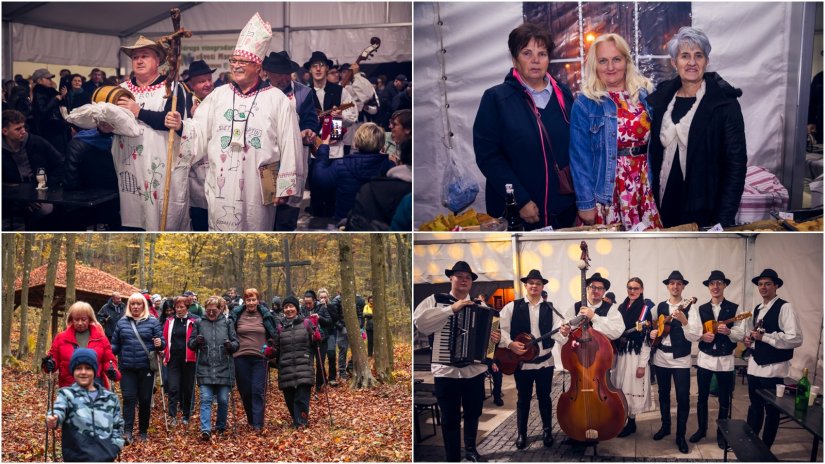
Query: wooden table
[[810, 420]]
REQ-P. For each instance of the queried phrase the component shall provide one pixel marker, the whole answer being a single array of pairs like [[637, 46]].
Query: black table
[[87, 198], [810, 421]]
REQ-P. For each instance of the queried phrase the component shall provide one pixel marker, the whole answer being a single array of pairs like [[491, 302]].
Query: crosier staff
[[173, 59]]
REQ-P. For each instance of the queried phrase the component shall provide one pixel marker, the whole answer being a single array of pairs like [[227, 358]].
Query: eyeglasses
[[634, 289], [241, 63], [596, 289]]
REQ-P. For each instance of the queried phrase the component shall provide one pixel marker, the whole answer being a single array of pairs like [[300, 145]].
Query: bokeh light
[[603, 246]]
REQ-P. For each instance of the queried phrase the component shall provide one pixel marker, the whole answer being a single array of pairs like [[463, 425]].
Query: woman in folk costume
[[244, 127], [140, 161]]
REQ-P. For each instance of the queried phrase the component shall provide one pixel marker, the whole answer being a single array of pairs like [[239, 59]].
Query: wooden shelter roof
[[91, 285]]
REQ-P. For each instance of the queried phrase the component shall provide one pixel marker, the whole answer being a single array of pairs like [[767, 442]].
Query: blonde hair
[[594, 89], [215, 300], [369, 138], [138, 297], [81, 308], [323, 290]]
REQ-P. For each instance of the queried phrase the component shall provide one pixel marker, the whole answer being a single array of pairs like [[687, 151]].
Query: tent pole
[[287, 11]]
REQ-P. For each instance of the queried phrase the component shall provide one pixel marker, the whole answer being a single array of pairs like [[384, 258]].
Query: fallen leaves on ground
[[368, 425]]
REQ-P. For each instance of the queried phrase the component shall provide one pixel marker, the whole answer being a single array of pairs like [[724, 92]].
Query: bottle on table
[[803, 390], [511, 212]]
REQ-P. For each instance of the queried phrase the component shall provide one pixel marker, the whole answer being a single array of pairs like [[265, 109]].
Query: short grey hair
[[688, 36]]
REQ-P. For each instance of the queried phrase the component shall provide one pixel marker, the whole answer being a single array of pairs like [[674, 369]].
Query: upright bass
[[592, 409]]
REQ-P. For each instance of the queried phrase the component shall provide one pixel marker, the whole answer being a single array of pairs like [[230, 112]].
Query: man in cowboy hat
[[199, 82], [278, 68], [330, 96], [672, 358], [604, 317], [773, 333], [459, 390], [248, 131], [534, 316], [141, 161], [716, 353]]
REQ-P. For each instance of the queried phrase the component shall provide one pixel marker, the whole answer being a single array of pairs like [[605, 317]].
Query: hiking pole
[[266, 390], [326, 390], [194, 382], [162, 395], [49, 413]]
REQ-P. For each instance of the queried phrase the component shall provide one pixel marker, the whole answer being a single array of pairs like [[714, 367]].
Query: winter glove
[[47, 364], [227, 345], [314, 318], [269, 352], [200, 341], [111, 373]]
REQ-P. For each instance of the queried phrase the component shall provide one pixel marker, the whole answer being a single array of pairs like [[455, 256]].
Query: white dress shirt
[[506, 318], [737, 333], [693, 332], [612, 325], [790, 337]]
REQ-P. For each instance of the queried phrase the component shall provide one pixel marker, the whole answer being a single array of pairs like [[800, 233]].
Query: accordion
[[464, 338]]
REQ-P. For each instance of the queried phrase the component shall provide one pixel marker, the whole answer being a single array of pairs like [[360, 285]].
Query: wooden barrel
[[110, 94]]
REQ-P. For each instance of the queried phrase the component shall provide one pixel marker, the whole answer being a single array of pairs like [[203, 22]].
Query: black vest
[[520, 322], [332, 96], [680, 345], [764, 353], [601, 310], [722, 345]]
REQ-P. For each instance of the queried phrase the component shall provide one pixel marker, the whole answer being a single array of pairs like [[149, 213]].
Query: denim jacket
[[594, 149]]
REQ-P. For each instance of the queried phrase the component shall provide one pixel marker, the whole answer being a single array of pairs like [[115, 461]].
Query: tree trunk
[[381, 346], [404, 267], [48, 299], [70, 270], [87, 250], [24, 296], [152, 239], [362, 376], [8, 293], [142, 261]]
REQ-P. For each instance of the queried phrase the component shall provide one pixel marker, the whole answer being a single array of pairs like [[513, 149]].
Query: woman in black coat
[[294, 344], [697, 148], [521, 135]]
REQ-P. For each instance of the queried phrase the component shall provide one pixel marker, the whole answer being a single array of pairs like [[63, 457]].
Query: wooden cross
[[287, 265]]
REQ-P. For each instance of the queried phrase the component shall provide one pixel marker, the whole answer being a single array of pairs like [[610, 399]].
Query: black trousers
[[681, 378], [181, 383], [497, 377], [725, 381], [543, 379], [297, 402], [319, 363], [452, 396], [759, 411], [136, 386]]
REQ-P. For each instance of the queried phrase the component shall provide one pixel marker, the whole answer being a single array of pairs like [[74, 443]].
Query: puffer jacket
[[270, 324], [168, 330], [215, 365], [294, 347], [64, 345], [126, 345], [88, 421]]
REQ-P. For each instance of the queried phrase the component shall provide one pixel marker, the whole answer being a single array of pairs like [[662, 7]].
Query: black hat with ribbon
[[199, 68], [597, 277], [534, 274], [675, 275], [716, 275], [316, 57], [279, 63], [770, 274], [461, 266]]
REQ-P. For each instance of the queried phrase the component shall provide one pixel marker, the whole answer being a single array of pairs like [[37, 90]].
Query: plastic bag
[[460, 187]]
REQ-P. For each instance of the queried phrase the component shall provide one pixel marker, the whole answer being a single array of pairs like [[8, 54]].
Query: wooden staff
[[173, 58]]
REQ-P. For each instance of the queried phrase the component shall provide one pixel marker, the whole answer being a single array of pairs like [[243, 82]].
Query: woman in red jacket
[[179, 360], [83, 331]]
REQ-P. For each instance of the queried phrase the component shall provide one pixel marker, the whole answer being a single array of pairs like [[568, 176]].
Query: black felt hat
[[597, 277], [461, 266], [279, 63], [534, 274], [770, 274], [675, 275], [716, 275], [318, 56], [199, 68]]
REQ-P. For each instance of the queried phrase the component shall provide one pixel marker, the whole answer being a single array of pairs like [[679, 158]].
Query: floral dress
[[633, 205]]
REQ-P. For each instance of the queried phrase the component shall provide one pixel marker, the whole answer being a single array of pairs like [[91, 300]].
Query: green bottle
[[803, 389]]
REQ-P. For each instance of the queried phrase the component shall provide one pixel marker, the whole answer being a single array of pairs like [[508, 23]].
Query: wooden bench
[[743, 442]]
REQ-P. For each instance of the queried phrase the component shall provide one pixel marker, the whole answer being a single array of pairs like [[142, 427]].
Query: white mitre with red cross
[[253, 43]]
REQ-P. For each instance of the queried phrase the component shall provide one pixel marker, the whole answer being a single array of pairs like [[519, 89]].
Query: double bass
[[592, 409]]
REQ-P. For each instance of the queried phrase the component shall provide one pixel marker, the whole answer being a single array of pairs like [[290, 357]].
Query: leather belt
[[633, 151]]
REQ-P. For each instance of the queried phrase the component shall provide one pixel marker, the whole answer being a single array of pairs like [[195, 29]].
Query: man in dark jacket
[[110, 313], [46, 101], [279, 68], [215, 338]]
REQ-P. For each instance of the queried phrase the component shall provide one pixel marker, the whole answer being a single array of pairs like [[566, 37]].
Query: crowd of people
[[231, 341], [621, 153], [771, 332], [267, 117]]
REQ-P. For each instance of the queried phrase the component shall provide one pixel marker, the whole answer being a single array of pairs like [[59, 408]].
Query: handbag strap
[[140, 340]]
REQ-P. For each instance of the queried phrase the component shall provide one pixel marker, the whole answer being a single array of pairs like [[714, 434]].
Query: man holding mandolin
[[457, 386], [677, 329], [522, 323]]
